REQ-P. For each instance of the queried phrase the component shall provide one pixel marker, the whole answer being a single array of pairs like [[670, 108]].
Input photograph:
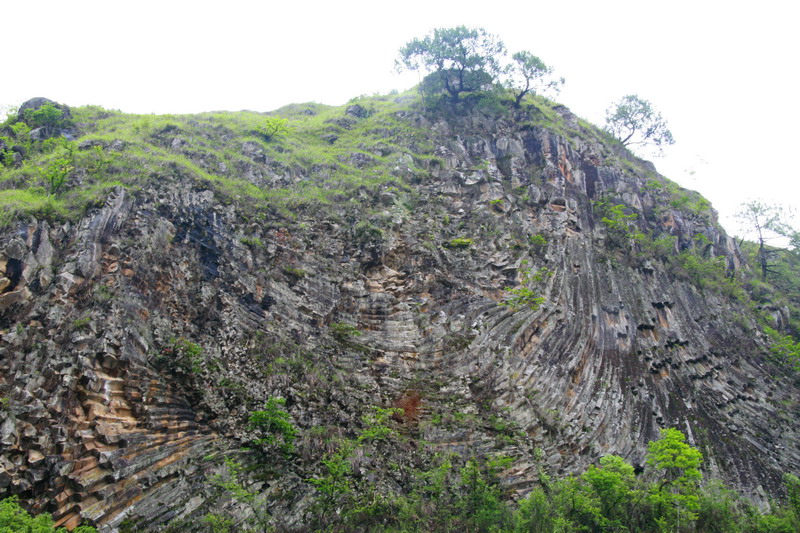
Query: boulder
[[36, 103]]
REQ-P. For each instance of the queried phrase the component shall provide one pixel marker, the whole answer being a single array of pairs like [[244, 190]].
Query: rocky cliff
[[368, 257]]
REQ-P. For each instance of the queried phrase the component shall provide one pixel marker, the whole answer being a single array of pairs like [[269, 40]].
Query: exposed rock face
[[36, 103], [101, 425]]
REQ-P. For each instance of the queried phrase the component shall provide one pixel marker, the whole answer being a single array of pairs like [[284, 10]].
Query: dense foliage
[[527, 73], [459, 59], [451, 494], [14, 519], [633, 120], [463, 60]]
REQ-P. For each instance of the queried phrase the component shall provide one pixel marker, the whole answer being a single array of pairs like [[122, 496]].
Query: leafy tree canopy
[[458, 59], [633, 120], [765, 222], [529, 74]]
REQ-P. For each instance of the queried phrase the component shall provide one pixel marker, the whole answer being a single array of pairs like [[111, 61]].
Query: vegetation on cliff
[[453, 494]]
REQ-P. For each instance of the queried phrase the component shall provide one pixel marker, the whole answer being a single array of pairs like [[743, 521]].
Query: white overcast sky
[[723, 73]]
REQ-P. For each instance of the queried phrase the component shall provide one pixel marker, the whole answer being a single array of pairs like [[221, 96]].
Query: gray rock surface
[[104, 424]]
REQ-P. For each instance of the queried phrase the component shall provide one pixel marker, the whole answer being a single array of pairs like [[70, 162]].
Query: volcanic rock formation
[[108, 417]]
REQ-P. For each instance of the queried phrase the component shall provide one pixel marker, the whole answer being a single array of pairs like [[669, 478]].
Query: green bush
[[272, 127], [524, 295], [785, 349], [375, 424], [181, 355], [538, 242], [620, 226], [55, 174], [252, 242], [14, 519], [274, 426], [459, 243], [344, 332], [47, 116], [294, 272], [709, 273]]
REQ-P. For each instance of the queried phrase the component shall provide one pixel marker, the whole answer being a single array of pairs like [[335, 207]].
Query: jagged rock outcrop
[[102, 422]]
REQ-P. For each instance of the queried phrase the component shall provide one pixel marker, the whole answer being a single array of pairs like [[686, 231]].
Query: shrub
[[55, 174], [274, 426], [620, 226], [366, 233], [48, 117], [481, 503], [272, 127], [524, 295], [252, 242], [217, 523], [343, 332], [376, 428], [14, 519], [181, 355], [785, 350], [459, 243], [294, 272], [538, 241], [709, 273]]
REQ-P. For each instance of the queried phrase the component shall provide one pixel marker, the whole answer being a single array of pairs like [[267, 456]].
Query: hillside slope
[[372, 255]]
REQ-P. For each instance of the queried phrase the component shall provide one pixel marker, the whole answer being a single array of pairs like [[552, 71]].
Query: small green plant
[[524, 295], [22, 133], [252, 242], [217, 523], [662, 247], [294, 272], [55, 174], [376, 428], [538, 241], [519, 297], [97, 161], [272, 127], [7, 157], [366, 233], [335, 482], [181, 355], [103, 293], [344, 332], [230, 483], [81, 322], [620, 226], [274, 426], [459, 243], [709, 273]]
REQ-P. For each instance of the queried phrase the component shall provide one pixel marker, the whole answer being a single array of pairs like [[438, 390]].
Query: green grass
[[322, 157]]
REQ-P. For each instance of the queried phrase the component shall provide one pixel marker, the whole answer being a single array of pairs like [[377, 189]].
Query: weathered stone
[[8, 432], [14, 297], [16, 249], [357, 111], [619, 348], [36, 103]]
